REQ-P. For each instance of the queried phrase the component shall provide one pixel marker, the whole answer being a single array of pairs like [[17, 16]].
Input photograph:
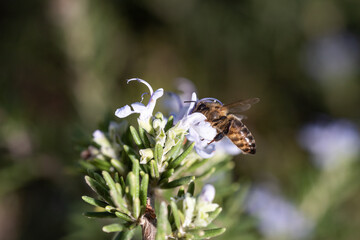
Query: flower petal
[[123, 112], [205, 130], [158, 93], [191, 119], [143, 82], [138, 107], [208, 193], [192, 104], [206, 152], [151, 105], [189, 207]]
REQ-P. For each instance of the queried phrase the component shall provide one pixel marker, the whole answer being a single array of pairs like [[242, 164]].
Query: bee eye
[[201, 107]]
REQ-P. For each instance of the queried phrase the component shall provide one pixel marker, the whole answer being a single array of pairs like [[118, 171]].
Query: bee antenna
[[189, 101]]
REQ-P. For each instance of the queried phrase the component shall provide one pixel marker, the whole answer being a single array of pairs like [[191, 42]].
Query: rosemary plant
[[131, 170]]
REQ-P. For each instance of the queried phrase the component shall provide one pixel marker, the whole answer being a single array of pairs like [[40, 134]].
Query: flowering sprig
[[129, 167], [188, 215], [138, 107]]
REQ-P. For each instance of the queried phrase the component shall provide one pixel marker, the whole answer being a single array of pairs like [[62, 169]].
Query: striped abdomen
[[240, 135]]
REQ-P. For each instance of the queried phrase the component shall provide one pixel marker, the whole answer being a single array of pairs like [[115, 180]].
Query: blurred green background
[[63, 67]]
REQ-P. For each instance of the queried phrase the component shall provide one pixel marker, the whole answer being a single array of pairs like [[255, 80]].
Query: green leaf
[[162, 224], [136, 170], [136, 208], [158, 153], [214, 214], [235, 203], [191, 188], [119, 189], [154, 171], [117, 165], [144, 190], [99, 179], [115, 227], [175, 149], [117, 177], [178, 182], [91, 173], [174, 163], [181, 191], [197, 164], [110, 209], [144, 137], [175, 213], [109, 181], [98, 188], [167, 173], [130, 152], [99, 215], [124, 235], [169, 123], [86, 165], [131, 182], [118, 200], [206, 174], [101, 164], [122, 183], [135, 137], [202, 234], [163, 181], [124, 216], [94, 202]]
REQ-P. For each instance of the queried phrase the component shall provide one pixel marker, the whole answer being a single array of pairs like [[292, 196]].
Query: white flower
[[278, 219], [146, 155], [188, 207], [196, 209], [138, 107], [200, 131], [331, 143], [204, 206]]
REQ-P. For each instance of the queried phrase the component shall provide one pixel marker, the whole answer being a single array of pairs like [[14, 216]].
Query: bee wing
[[241, 106], [240, 116]]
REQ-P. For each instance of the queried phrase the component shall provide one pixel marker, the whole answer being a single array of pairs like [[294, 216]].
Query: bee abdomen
[[240, 135]]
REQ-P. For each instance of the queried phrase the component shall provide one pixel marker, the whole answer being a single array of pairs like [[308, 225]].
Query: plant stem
[[148, 220]]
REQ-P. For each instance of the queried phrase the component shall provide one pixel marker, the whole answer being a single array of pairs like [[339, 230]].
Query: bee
[[227, 121]]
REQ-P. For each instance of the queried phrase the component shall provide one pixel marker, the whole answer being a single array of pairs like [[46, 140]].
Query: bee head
[[200, 107], [204, 104]]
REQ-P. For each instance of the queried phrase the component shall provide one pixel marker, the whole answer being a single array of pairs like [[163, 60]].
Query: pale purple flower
[[200, 131], [207, 193], [333, 57], [277, 217], [331, 143], [145, 112], [175, 102]]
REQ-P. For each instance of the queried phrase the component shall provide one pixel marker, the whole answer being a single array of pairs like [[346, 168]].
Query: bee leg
[[218, 121], [217, 138]]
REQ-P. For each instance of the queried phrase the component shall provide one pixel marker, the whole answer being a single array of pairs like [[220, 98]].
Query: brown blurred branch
[[148, 220]]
